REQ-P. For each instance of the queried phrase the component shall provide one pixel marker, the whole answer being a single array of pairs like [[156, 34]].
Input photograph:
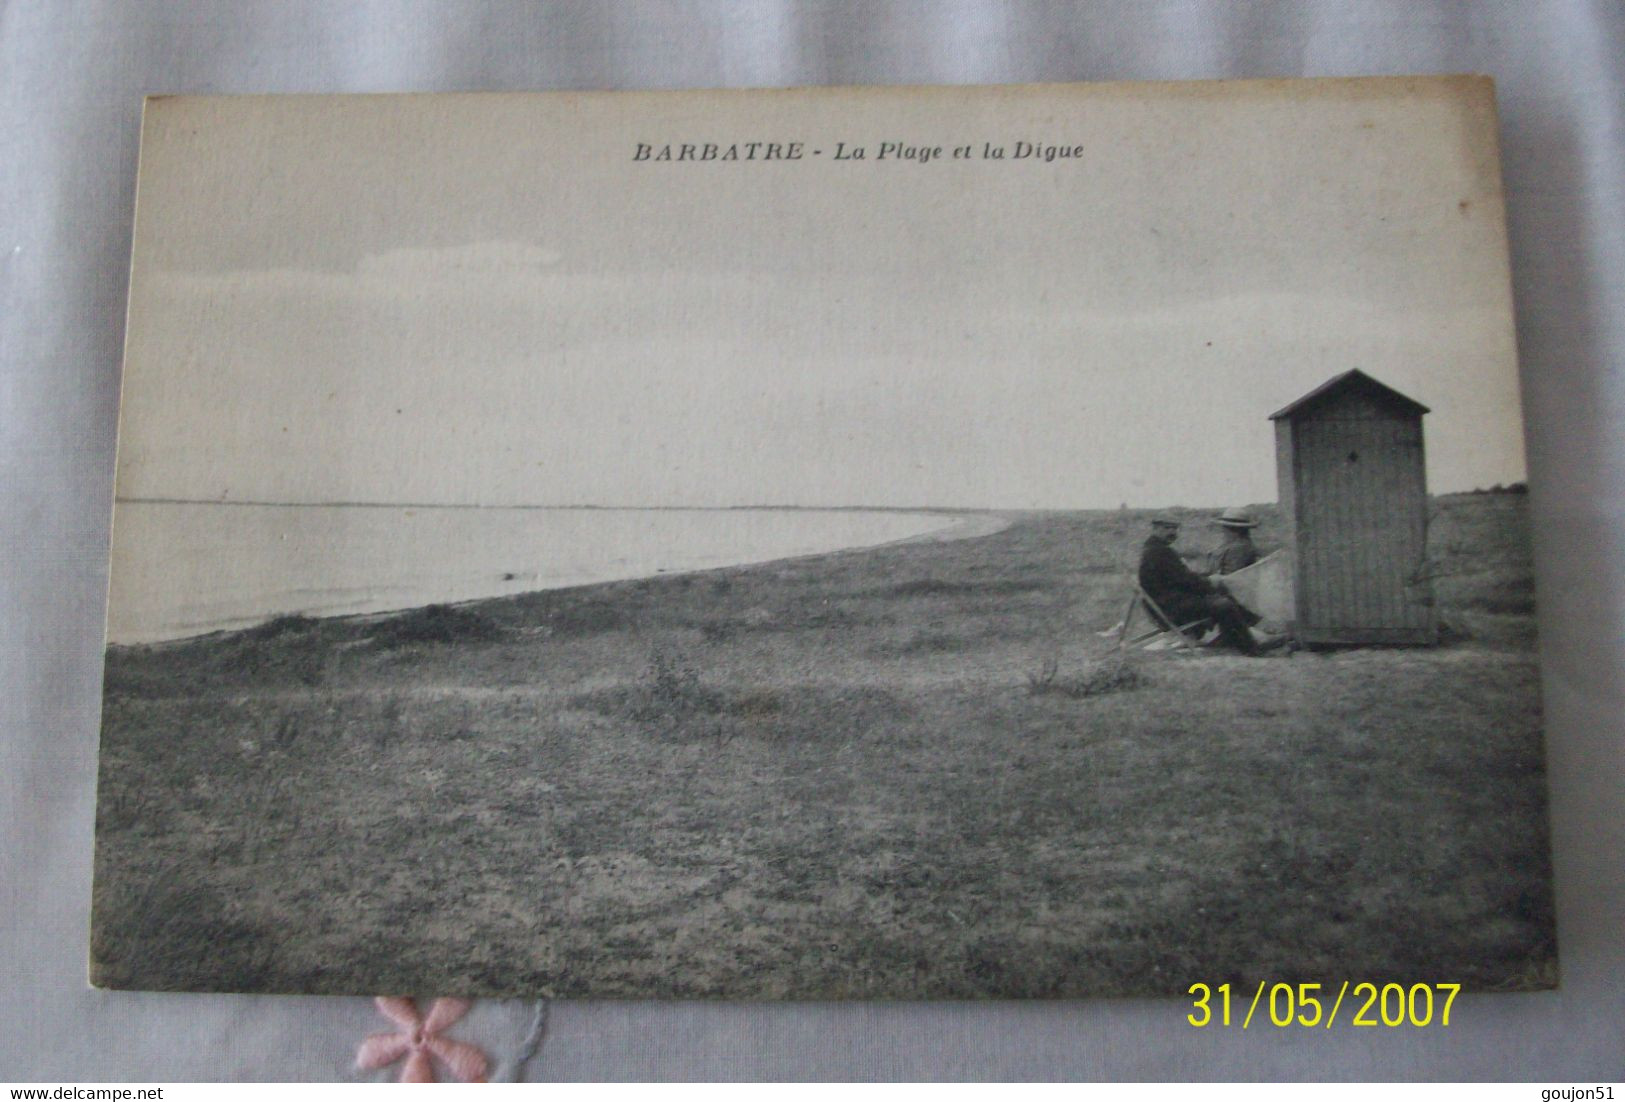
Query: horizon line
[[1125, 507], [118, 500]]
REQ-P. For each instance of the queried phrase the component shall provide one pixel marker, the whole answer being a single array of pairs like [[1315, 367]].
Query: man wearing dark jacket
[[1184, 594]]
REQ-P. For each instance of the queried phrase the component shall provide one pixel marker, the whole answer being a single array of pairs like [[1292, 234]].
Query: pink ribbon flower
[[419, 1039]]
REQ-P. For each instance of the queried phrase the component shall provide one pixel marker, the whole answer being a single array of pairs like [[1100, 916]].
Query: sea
[[189, 568]]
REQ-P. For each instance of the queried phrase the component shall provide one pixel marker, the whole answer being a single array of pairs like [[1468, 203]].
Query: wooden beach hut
[[1353, 490]]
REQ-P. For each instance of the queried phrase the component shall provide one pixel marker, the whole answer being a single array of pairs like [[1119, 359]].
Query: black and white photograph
[[1041, 541]]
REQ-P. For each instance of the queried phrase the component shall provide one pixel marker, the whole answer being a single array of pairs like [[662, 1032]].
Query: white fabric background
[[71, 79]]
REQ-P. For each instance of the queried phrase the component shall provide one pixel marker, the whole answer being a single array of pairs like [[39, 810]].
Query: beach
[[186, 568], [904, 771]]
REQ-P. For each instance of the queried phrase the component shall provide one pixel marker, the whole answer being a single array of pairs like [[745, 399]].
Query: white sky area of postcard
[[486, 300]]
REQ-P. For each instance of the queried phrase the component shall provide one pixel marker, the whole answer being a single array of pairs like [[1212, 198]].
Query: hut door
[[1362, 530]]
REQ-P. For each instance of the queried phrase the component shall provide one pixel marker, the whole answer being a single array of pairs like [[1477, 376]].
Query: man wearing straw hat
[[1236, 551], [1185, 595]]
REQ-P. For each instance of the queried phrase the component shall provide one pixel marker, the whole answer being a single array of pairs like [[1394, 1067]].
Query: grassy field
[[912, 772]]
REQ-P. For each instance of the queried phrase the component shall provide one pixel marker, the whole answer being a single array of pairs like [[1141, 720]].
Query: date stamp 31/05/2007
[[1316, 1006]]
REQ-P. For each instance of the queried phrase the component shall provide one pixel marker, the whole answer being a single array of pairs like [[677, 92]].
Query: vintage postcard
[[893, 543]]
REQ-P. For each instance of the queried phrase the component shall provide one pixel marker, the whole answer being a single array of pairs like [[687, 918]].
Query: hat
[[1237, 518], [1164, 520]]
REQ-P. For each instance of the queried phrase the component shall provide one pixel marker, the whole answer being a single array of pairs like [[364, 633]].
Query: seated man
[[1184, 594], [1236, 550]]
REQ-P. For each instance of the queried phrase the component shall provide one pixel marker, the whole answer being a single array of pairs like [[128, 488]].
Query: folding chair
[[1141, 604]]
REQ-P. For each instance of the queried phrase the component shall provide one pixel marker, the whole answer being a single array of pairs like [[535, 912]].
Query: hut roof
[[1351, 380]]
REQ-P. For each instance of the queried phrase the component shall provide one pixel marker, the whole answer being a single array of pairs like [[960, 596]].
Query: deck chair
[[1160, 630]]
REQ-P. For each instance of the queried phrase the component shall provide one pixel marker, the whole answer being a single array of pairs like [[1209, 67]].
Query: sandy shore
[[973, 526], [332, 572]]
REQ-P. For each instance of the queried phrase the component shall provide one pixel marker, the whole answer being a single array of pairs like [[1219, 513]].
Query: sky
[[487, 300]]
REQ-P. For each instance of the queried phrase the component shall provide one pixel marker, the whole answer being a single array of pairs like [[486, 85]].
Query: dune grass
[[906, 772]]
